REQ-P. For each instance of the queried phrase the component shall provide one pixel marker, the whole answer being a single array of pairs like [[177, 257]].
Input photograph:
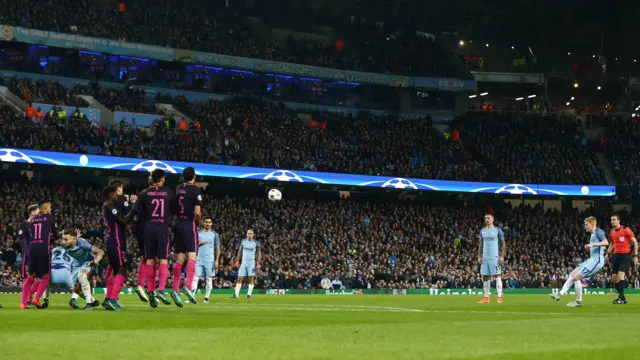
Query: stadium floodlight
[[512, 47], [634, 60], [487, 45], [484, 94], [594, 56], [573, 98], [599, 87], [461, 42], [568, 103], [569, 53], [531, 96], [519, 98], [576, 85], [472, 96]]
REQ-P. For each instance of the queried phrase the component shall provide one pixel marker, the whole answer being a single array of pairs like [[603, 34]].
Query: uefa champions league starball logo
[[399, 183], [151, 165], [516, 189], [14, 156], [283, 175]]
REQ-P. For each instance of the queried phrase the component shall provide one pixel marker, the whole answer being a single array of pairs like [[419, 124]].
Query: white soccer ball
[[516, 189], [151, 165], [275, 195], [283, 175], [11, 155], [399, 183]]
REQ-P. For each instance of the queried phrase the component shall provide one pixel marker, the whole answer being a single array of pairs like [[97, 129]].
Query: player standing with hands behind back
[[251, 254], [491, 252], [621, 239]]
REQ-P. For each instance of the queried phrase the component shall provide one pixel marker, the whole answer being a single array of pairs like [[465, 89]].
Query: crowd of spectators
[[48, 92], [213, 26], [361, 243], [530, 148], [623, 149]]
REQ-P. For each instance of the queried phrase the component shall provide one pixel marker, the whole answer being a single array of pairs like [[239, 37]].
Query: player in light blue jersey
[[83, 256], [250, 253], [597, 246], [491, 252], [61, 268], [208, 257]]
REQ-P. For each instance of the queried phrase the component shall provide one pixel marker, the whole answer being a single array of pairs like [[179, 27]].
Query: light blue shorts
[[248, 269], [76, 271], [62, 277], [490, 267], [590, 267], [205, 270]]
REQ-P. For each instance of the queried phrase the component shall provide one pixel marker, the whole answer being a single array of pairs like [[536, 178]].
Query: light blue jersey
[[595, 262], [491, 239], [207, 252], [250, 248], [81, 254], [61, 268]]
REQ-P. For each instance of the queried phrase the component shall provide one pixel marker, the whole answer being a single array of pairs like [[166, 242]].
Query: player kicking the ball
[[251, 254], [597, 245], [491, 252]]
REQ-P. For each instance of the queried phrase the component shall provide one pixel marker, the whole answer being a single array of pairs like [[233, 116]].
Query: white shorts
[[205, 270]]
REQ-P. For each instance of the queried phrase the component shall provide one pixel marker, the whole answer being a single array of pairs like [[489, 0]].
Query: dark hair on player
[[189, 173], [108, 191], [41, 203], [493, 217], [69, 232], [207, 218], [157, 175], [116, 183], [617, 216]]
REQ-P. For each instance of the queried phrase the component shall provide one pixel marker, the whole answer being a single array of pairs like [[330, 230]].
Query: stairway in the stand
[[605, 166]]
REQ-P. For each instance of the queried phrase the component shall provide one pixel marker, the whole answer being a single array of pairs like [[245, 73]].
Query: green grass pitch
[[326, 327]]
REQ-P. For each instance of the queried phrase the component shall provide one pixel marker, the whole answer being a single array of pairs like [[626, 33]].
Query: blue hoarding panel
[[241, 172]]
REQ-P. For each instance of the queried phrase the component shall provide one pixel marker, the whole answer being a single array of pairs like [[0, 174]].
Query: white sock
[[567, 285], [238, 287], [86, 287], [578, 287], [208, 287], [250, 289], [47, 293], [499, 286], [74, 296], [486, 286], [194, 284]]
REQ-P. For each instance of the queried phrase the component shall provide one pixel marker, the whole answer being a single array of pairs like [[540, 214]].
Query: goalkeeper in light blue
[[597, 246], [491, 253], [208, 257], [83, 256], [250, 253]]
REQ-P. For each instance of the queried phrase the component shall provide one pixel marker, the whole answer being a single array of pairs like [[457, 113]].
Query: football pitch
[[326, 327]]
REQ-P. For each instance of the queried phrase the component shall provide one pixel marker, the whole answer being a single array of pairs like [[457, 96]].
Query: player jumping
[[596, 246], [42, 230], [186, 234], [621, 239], [83, 257], [251, 255], [491, 252], [208, 257], [155, 205]]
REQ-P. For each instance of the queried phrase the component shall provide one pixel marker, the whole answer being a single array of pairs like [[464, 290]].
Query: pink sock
[[118, 284], [191, 272], [177, 274], [110, 294], [34, 287], [163, 276], [44, 284], [142, 273], [107, 281], [151, 278], [26, 286]]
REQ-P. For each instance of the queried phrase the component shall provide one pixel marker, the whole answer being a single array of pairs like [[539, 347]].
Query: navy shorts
[[185, 237], [25, 262], [138, 232], [116, 251], [39, 261], [156, 241]]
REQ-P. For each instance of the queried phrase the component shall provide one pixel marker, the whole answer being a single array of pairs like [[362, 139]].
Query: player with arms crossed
[[83, 257], [491, 252], [208, 257], [621, 239], [42, 230], [186, 234], [115, 227], [596, 246], [155, 205], [251, 253]]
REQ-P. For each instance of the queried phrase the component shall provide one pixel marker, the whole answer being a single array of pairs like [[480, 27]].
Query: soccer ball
[[14, 156], [151, 165], [275, 195], [283, 175], [516, 189], [399, 183]]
